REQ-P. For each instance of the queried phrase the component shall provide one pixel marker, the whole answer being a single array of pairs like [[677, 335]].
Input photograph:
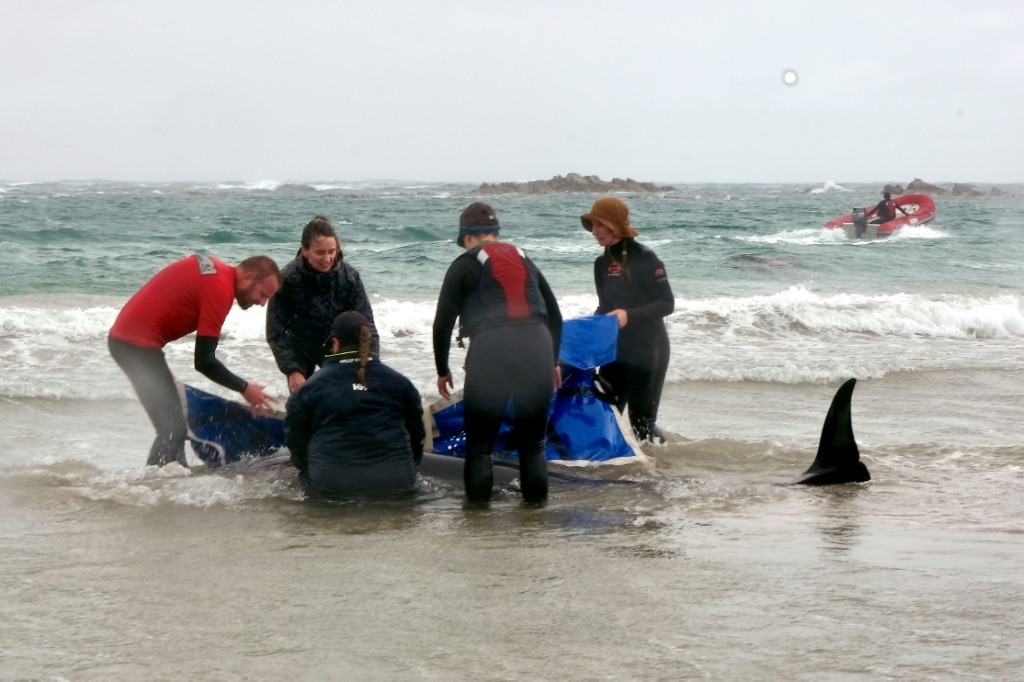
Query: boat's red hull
[[921, 208]]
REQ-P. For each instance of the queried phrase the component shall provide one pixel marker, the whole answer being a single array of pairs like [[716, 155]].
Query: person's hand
[[295, 381], [621, 315], [558, 377], [262, 403], [443, 384]]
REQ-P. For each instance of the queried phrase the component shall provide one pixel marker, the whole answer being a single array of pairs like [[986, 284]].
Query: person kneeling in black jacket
[[355, 428]]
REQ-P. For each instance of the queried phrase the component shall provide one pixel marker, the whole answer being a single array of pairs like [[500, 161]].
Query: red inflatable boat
[[858, 225]]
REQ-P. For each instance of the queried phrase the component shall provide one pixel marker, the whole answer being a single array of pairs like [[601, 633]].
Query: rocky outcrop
[[962, 190], [920, 186], [573, 182]]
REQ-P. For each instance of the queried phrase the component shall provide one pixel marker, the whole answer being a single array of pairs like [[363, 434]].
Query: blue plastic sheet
[[581, 426], [589, 342], [222, 431]]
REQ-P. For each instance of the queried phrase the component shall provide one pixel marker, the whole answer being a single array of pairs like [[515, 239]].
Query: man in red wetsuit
[[191, 295]]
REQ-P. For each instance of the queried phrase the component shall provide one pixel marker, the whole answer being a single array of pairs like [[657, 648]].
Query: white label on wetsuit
[[206, 265]]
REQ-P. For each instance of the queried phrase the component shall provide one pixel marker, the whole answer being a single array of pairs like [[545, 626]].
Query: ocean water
[[694, 566]]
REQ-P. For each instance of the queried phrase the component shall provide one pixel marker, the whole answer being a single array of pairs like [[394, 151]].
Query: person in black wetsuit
[[355, 428], [506, 307], [885, 210], [632, 285]]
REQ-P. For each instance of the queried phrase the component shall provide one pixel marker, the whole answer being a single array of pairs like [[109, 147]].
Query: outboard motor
[[860, 221]]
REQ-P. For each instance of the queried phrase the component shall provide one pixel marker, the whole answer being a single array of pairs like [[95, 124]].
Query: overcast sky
[[474, 91]]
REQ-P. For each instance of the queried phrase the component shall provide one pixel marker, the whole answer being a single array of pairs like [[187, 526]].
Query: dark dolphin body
[[838, 459], [505, 473]]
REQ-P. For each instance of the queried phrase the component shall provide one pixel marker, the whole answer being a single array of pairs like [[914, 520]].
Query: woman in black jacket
[[632, 286], [318, 286], [356, 426]]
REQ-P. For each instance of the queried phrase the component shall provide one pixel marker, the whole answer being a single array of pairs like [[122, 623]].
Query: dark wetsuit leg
[[482, 417], [149, 374], [639, 376], [509, 364]]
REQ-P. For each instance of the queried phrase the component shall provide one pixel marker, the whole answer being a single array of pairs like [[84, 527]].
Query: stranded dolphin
[[231, 433], [838, 459]]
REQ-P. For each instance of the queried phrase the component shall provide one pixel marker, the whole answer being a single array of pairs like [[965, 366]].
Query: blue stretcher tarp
[[223, 431], [582, 427]]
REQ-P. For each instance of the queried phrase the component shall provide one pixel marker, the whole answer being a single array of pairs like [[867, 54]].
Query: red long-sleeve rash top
[[177, 301]]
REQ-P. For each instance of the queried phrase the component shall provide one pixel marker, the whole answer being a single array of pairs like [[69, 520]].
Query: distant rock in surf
[[919, 186], [964, 190], [573, 182], [960, 189]]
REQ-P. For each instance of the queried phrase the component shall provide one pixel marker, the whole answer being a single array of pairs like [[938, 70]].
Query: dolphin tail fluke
[[838, 459]]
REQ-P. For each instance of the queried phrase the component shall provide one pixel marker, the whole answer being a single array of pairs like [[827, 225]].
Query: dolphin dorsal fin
[[838, 458]]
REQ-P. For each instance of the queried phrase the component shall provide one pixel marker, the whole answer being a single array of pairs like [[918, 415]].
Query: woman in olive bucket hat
[[632, 285]]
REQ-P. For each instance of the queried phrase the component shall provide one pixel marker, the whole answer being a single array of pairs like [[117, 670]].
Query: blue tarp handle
[[589, 342]]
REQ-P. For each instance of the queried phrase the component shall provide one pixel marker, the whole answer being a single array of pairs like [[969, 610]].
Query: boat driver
[[885, 210]]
